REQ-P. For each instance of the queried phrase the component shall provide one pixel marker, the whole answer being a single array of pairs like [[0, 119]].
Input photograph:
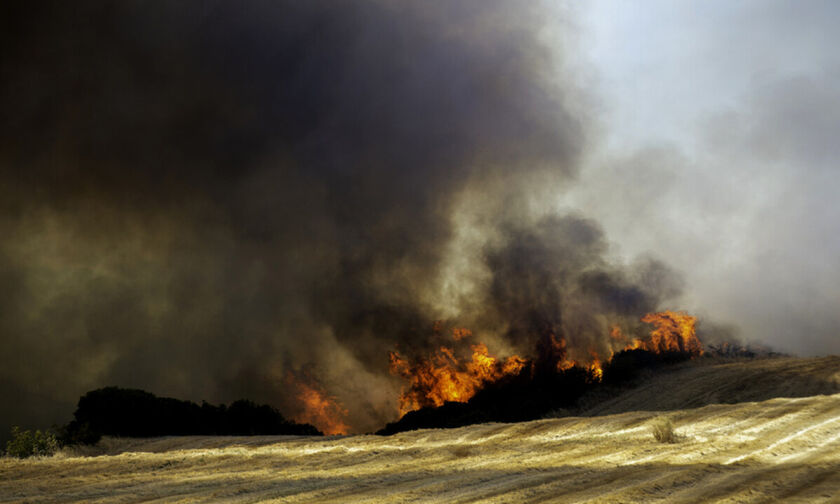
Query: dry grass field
[[785, 449]]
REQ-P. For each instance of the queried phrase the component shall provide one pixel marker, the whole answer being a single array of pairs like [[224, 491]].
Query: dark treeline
[[115, 411], [534, 393]]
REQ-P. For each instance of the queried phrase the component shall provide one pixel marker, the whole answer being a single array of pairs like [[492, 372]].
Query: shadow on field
[[199, 479]]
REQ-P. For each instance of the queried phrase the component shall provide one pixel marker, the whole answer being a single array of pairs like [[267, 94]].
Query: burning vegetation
[[317, 407], [448, 376], [444, 377], [455, 385], [673, 331]]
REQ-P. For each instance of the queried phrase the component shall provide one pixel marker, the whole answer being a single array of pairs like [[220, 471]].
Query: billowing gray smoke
[[199, 197], [552, 278]]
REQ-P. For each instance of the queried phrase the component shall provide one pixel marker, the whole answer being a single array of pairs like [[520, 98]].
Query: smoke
[[552, 277], [198, 198], [721, 157]]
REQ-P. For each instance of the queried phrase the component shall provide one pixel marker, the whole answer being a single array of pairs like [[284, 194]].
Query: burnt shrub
[[527, 396], [537, 391], [116, 411], [627, 366], [451, 414], [246, 418], [137, 413], [78, 433]]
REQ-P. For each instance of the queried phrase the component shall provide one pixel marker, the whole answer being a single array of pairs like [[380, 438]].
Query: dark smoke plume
[[198, 197]]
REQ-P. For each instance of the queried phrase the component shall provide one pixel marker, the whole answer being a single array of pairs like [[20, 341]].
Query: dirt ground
[[785, 449]]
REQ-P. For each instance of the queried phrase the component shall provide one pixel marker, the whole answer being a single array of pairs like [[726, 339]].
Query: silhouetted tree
[[115, 411]]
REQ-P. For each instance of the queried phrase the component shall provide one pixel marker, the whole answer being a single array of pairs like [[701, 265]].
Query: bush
[[78, 433], [663, 431], [518, 398], [114, 411], [25, 443]]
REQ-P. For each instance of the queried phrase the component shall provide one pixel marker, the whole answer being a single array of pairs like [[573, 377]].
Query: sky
[[217, 200], [720, 156]]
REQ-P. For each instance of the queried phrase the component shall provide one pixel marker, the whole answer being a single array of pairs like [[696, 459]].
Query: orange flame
[[460, 333], [443, 377], [619, 337], [319, 408], [595, 366], [674, 331], [513, 365], [564, 365]]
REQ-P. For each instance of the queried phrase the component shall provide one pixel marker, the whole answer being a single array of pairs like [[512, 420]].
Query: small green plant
[[25, 443], [663, 431]]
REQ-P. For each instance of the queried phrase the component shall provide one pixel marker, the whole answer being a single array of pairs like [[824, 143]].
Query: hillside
[[713, 381], [782, 448]]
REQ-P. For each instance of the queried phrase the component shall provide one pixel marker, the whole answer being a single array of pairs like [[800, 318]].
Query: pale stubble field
[[785, 449]]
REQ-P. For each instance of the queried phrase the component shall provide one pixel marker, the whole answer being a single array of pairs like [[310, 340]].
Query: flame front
[[672, 332], [443, 377], [318, 408]]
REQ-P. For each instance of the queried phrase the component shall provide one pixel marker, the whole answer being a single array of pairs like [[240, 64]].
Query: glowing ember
[[318, 408]]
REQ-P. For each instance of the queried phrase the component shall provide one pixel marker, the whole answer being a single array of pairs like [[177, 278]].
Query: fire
[[460, 333], [318, 408], [595, 366], [619, 337], [673, 331], [558, 351], [636, 344], [564, 365], [513, 365], [443, 377]]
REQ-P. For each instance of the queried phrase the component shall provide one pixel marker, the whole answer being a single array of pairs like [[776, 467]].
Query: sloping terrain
[[709, 381], [783, 448]]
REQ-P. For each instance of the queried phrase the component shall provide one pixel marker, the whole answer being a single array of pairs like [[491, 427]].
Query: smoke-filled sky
[[198, 198], [720, 155]]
